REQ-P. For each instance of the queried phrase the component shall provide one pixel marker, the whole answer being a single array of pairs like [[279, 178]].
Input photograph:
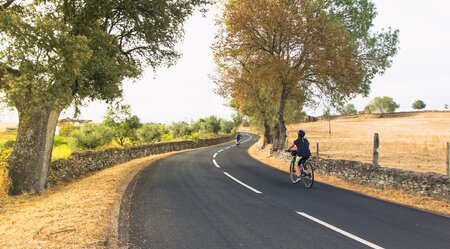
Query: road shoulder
[[424, 203]]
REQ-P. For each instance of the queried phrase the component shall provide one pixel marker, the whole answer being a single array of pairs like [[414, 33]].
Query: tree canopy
[[381, 105], [418, 105], [299, 52], [56, 52]]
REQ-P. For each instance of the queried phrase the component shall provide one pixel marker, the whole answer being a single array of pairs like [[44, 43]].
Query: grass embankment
[[74, 215], [396, 196], [410, 141]]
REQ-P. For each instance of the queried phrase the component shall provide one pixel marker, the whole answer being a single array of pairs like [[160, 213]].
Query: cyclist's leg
[[298, 160], [303, 160]]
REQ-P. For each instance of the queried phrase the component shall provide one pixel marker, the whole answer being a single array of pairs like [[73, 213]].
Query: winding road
[[220, 197]]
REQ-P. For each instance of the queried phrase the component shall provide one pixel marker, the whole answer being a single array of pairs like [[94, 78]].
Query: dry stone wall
[[428, 184], [83, 163]]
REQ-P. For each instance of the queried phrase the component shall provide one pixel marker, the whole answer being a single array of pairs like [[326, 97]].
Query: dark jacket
[[302, 147]]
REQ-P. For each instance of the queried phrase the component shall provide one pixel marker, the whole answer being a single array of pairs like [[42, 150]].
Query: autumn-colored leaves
[[274, 57]]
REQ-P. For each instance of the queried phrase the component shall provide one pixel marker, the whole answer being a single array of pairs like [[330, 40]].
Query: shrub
[[9, 144], [122, 123], [149, 133], [226, 126], [62, 151], [194, 136], [181, 130], [58, 140], [66, 129], [5, 181], [92, 136], [167, 137]]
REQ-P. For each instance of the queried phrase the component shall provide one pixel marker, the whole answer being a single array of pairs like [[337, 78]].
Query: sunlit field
[[410, 141]]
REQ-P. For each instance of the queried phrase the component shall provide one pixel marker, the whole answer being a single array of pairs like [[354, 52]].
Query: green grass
[[62, 151]]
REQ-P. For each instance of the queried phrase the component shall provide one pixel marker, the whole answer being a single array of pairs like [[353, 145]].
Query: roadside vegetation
[[119, 129], [57, 54]]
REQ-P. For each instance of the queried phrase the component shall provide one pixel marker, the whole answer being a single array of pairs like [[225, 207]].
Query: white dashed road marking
[[243, 184], [215, 155], [351, 236], [215, 163]]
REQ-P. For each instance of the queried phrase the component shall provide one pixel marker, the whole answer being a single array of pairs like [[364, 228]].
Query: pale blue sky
[[185, 91]]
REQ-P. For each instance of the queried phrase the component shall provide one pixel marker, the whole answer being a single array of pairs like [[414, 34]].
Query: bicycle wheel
[[308, 174], [294, 178]]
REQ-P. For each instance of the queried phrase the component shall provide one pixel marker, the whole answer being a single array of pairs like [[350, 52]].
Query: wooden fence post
[[317, 150], [376, 145], [448, 159]]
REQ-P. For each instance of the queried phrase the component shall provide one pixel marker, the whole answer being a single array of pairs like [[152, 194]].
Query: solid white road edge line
[[351, 236], [215, 155], [243, 184], [215, 163]]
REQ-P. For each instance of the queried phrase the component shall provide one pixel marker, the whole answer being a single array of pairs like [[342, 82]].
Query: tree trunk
[[280, 129], [267, 134], [29, 163]]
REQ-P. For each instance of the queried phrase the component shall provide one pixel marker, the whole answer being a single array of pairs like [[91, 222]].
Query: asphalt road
[[220, 197]]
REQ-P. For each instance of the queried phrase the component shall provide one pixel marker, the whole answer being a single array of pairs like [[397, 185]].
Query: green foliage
[[62, 151], [418, 105], [66, 129], [226, 127], [446, 106], [149, 133], [238, 119], [348, 109], [122, 122], [167, 137], [195, 136], [181, 130], [211, 125], [92, 136], [381, 105], [8, 144], [58, 140], [5, 181], [55, 53]]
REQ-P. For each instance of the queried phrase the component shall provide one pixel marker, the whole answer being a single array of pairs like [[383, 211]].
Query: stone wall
[[428, 184], [79, 164]]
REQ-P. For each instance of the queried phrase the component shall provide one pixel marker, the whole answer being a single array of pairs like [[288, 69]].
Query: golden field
[[412, 141]]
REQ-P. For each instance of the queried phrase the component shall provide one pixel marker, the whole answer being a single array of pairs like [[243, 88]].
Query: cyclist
[[303, 152], [238, 138]]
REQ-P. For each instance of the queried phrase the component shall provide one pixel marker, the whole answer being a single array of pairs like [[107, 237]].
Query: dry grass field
[[71, 215], [411, 141]]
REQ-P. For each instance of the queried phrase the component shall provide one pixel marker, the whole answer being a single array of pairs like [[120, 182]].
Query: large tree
[[56, 53], [318, 49]]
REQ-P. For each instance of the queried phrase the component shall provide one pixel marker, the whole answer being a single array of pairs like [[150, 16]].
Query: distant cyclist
[[303, 152], [238, 139]]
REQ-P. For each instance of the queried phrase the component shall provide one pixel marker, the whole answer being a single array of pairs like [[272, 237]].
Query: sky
[[184, 92]]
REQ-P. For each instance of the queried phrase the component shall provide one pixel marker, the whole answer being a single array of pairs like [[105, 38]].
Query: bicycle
[[238, 142], [307, 171]]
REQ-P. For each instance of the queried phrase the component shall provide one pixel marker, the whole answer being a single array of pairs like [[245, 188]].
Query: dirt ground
[[411, 141], [74, 215]]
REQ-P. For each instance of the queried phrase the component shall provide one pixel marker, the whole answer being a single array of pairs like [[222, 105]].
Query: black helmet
[[301, 133]]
